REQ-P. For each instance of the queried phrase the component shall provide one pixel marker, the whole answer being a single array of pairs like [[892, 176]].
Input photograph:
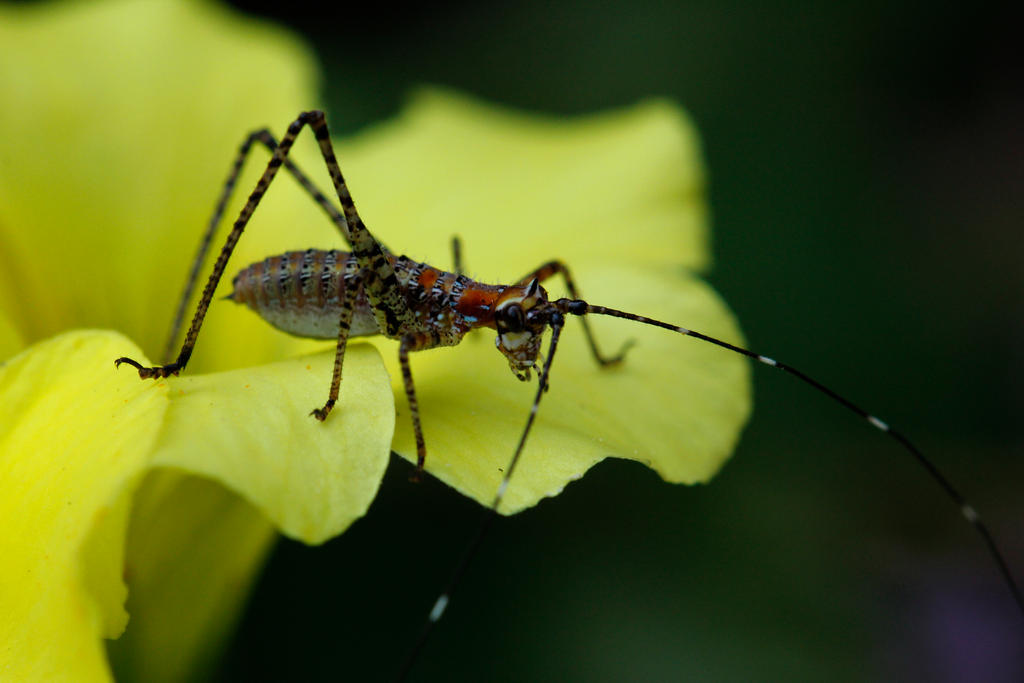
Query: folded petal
[[74, 439], [189, 575], [251, 430]]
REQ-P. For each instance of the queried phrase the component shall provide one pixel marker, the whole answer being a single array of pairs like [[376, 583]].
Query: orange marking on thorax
[[478, 301], [428, 277]]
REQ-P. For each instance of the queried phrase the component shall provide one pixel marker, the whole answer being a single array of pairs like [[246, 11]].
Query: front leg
[[348, 304]]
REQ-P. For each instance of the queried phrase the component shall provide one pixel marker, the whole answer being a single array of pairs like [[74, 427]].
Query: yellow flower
[[128, 117], [121, 108]]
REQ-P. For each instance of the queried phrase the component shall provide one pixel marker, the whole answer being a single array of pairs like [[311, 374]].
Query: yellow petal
[[676, 404], [251, 430], [74, 439], [622, 187], [130, 113], [522, 189], [74, 447]]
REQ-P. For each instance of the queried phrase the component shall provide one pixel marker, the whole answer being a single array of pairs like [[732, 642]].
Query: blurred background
[[867, 190]]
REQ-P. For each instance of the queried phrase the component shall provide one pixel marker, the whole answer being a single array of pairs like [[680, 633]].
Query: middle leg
[[410, 343], [348, 305]]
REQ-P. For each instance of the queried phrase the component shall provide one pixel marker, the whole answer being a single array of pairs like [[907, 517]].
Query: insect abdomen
[[301, 292]]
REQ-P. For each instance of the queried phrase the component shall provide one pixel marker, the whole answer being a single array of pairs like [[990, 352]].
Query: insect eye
[[512, 317]]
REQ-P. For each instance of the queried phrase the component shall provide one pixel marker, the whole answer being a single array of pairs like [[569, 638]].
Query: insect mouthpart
[[522, 350]]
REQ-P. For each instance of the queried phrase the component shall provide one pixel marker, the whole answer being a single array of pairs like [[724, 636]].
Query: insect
[[333, 294]]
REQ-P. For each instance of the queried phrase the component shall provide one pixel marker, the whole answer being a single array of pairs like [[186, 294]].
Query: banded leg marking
[[348, 305], [408, 344], [265, 137], [381, 284]]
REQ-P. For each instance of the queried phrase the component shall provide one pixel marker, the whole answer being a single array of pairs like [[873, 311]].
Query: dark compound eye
[[512, 317]]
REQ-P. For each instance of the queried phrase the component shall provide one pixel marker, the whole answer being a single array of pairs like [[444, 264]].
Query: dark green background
[[866, 185]]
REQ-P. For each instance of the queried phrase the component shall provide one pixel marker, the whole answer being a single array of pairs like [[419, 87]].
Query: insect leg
[[409, 343], [552, 268], [348, 304], [275, 163], [380, 282], [265, 137]]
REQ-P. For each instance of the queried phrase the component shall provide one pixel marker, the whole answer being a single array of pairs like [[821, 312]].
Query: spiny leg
[[409, 343], [265, 137], [275, 163], [381, 284], [557, 321], [582, 308], [344, 323], [555, 267]]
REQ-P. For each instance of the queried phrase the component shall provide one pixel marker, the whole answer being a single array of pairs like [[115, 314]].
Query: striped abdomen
[[301, 293]]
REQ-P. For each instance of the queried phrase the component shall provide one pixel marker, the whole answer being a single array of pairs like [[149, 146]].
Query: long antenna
[[556, 321], [582, 308], [577, 307]]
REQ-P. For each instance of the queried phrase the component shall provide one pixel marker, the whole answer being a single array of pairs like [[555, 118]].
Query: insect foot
[[619, 357], [156, 372], [322, 413]]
